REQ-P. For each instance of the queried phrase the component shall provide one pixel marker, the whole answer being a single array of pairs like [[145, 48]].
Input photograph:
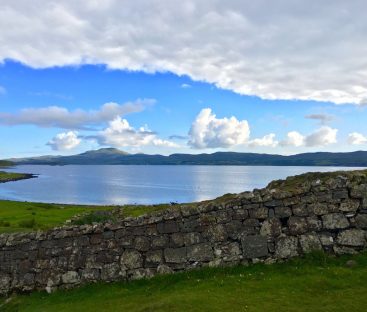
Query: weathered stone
[[359, 191], [142, 243], [167, 227], [314, 223], [352, 237], [159, 241], [273, 203], [326, 239], [131, 259], [361, 221], [110, 272], [286, 247], [319, 208], [200, 252], [254, 246], [176, 240], [300, 210], [297, 225], [137, 274], [70, 277], [153, 257], [340, 194], [259, 213], [164, 269], [335, 221], [309, 242], [349, 206], [228, 252], [90, 274], [216, 233], [271, 228], [192, 238], [282, 212], [175, 255], [251, 227]]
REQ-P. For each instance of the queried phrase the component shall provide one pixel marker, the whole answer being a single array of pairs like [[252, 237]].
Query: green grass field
[[26, 216], [315, 283]]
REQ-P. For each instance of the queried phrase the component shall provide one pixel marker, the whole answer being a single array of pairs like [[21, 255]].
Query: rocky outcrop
[[286, 219]]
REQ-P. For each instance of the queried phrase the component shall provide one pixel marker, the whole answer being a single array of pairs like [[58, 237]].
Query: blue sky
[[222, 79]]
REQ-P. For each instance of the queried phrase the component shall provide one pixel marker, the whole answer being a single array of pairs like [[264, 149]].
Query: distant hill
[[6, 163], [112, 156]]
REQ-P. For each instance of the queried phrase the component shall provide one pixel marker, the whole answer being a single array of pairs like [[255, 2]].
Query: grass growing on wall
[[314, 283]]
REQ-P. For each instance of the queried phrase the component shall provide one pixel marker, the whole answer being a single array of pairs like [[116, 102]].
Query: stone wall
[[284, 220]]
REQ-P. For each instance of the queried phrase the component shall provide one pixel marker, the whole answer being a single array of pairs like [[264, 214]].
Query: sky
[[167, 76]]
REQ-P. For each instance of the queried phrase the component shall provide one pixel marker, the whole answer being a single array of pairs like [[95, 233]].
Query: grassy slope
[[13, 214], [317, 283], [17, 216]]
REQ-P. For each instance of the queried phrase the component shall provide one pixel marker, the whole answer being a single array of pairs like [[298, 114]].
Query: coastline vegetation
[[11, 176], [316, 282]]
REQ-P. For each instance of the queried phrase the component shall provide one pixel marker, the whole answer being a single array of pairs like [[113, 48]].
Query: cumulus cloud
[[322, 118], [356, 138], [294, 138], [207, 131], [266, 141], [297, 50], [60, 117], [321, 137], [65, 141], [120, 134]]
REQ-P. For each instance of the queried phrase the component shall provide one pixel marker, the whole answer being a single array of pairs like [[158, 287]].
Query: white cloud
[[55, 116], [207, 131], [2, 90], [120, 134], [294, 138], [356, 138], [185, 86], [292, 49], [321, 137], [65, 141], [266, 141]]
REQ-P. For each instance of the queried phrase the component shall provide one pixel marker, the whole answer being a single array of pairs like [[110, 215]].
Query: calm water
[[141, 184]]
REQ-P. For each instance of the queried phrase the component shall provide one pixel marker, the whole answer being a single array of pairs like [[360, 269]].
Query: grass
[[10, 176], [26, 216], [314, 283]]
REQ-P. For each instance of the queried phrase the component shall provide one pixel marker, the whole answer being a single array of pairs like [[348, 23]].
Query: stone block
[[175, 255], [286, 247], [131, 259], [352, 237], [200, 252], [254, 246], [297, 225], [309, 243], [335, 221]]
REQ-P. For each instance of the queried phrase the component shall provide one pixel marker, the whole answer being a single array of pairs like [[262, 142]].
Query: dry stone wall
[[286, 219]]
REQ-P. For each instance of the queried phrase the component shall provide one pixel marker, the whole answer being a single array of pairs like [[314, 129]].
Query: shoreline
[[12, 177]]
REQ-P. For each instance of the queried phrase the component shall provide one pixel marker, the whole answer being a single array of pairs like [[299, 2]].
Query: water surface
[[141, 184]]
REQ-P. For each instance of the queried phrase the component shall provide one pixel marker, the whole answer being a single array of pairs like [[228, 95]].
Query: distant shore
[[11, 177]]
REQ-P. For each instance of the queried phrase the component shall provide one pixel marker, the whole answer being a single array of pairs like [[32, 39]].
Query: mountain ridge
[[113, 156]]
